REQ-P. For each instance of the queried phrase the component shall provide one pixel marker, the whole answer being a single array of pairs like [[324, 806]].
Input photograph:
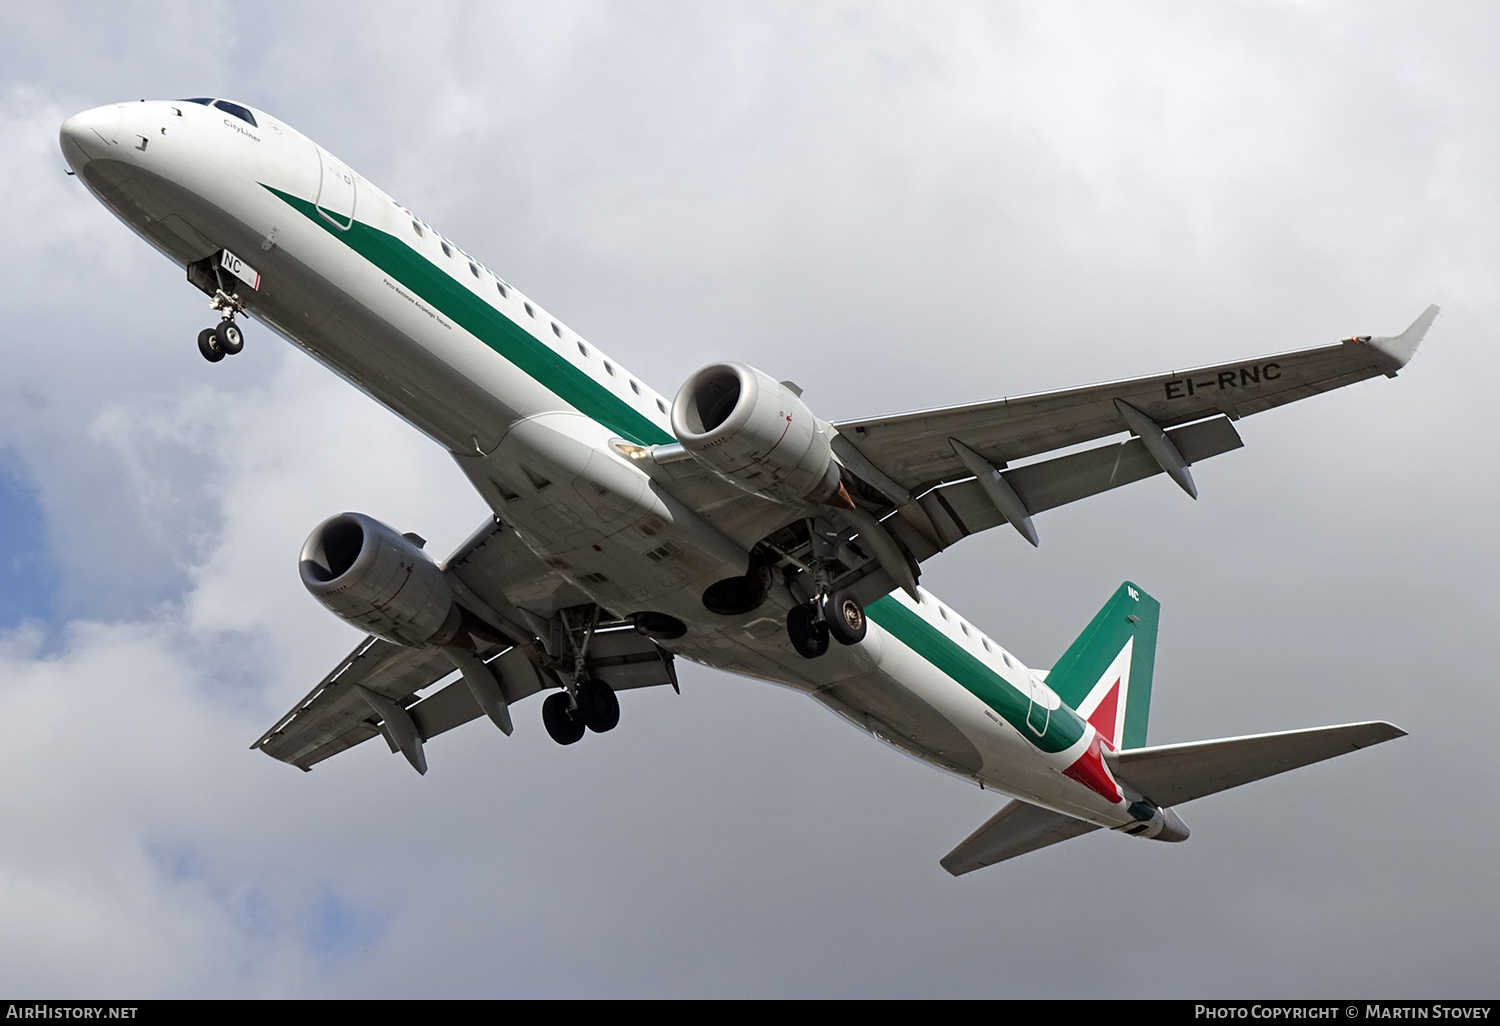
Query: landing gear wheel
[[231, 339], [597, 706], [808, 632], [562, 724], [209, 345], [845, 618]]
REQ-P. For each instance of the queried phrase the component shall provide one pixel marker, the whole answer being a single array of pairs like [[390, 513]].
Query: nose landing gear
[[225, 340], [221, 277]]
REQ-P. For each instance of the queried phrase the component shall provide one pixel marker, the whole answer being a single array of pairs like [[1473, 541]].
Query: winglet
[[1399, 349]]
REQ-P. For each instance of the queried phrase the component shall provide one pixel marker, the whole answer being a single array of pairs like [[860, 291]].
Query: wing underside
[[497, 576], [913, 451], [931, 478]]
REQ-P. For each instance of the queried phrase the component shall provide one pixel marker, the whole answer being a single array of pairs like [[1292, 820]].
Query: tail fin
[[1105, 675]]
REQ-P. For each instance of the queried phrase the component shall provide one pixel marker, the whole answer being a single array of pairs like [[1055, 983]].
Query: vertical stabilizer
[[1105, 675]]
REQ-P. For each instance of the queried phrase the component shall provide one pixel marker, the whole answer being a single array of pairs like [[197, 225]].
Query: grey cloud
[[897, 210]]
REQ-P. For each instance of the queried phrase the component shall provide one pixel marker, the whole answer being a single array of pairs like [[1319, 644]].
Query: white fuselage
[[541, 421]]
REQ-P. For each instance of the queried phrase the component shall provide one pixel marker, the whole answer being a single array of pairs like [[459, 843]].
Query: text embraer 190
[[730, 526]]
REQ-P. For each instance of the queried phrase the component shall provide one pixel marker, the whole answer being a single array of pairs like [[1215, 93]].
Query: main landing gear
[[838, 616], [588, 704], [594, 707]]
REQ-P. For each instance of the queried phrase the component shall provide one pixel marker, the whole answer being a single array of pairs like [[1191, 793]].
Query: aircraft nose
[[89, 134]]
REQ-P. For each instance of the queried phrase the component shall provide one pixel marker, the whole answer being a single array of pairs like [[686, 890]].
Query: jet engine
[[757, 433], [379, 581]]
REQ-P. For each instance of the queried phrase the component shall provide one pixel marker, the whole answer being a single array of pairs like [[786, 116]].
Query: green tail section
[[1086, 675]]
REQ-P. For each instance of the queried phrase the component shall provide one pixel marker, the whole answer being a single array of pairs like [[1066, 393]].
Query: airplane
[[729, 526]]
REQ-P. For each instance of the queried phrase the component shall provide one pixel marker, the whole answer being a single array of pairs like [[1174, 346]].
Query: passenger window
[[609, 367], [583, 348], [503, 290], [661, 406], [447, 249], [416, 226], [634, 387], [556, 330], [233, 108], [529, 311], [474, 268]]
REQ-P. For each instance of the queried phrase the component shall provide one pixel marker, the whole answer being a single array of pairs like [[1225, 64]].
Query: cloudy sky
[[897, 206]]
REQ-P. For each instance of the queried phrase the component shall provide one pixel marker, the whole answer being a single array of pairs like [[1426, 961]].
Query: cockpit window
[[233, 108], [205, 100]]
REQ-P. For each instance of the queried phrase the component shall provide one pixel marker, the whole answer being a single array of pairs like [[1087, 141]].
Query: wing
[[335, 715], [912, 449], [382, 688], [945, 470]]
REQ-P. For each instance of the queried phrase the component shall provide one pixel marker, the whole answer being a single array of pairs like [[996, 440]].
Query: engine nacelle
[[379, 581], [757, 433]]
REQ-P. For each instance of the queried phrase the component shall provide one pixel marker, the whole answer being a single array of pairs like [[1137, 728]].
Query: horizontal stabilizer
[[1016, 829], [1172, 774]]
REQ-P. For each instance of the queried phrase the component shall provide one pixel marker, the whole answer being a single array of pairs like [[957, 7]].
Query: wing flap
[[957, 510], [1016, 829], [1172, 774], [454, 705], [626, 659], [333, 717]]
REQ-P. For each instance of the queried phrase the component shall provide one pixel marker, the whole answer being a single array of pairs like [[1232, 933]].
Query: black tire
[[808, 633], [558, 718], [231, 339], [209, 345], [845, 618], [598, 706]]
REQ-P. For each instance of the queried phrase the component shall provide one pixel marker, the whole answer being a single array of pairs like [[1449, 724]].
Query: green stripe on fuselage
[[1062, 729], [470, 312]]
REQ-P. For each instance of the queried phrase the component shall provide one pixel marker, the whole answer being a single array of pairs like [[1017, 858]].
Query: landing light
[[634, 452]]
